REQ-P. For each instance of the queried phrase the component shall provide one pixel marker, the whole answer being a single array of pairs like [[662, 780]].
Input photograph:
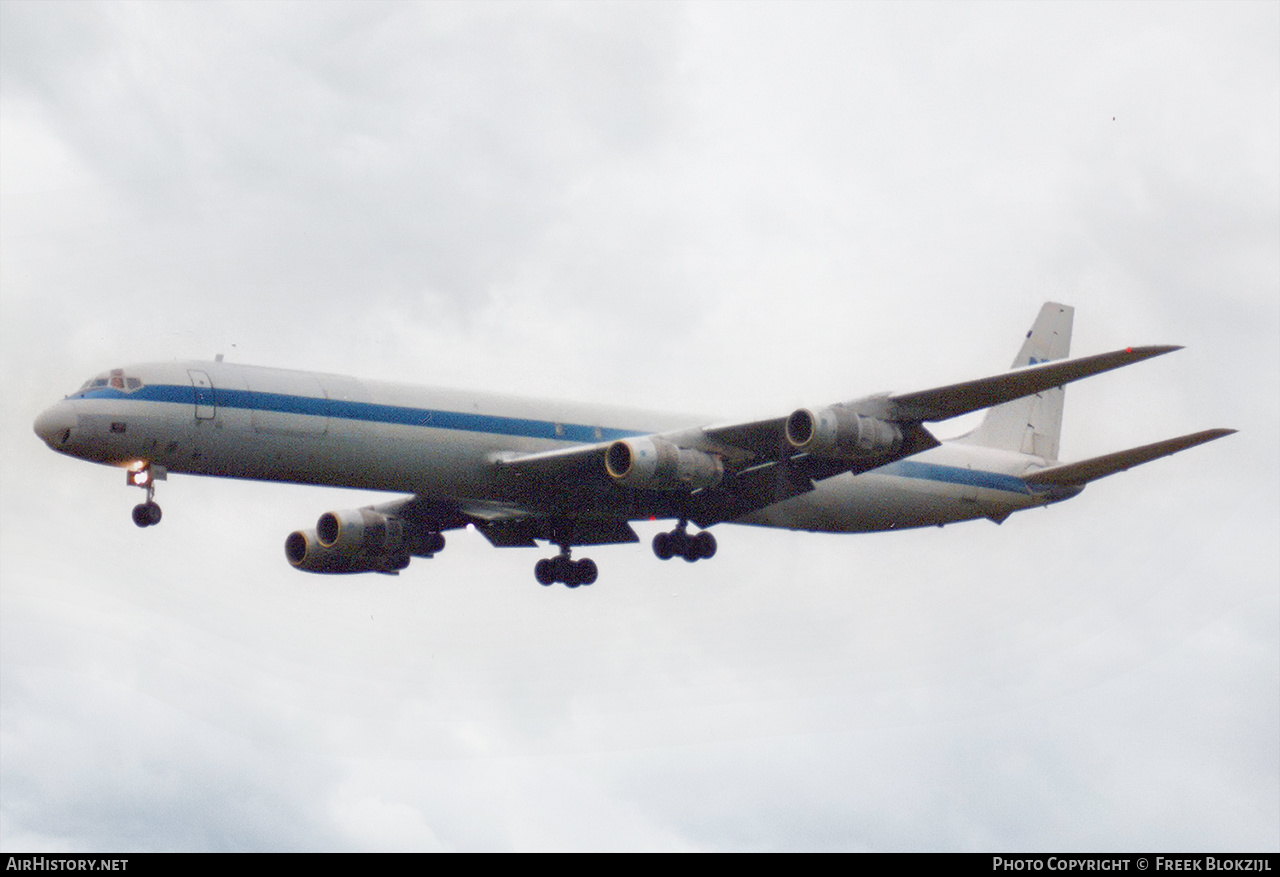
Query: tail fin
[[1031, 424]]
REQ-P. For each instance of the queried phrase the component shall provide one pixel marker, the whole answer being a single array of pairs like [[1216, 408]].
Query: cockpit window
[[115, 379]]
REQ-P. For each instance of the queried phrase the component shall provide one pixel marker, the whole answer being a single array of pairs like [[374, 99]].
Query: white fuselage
[[238, 421]]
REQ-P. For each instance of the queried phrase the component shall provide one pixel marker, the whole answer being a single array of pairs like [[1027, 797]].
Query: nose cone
[[54, 425]]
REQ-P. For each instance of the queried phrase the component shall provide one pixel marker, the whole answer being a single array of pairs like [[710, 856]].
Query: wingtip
[[1208, 435], [1154, 349]]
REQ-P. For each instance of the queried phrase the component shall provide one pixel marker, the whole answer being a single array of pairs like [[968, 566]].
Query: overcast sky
[[727, 208]]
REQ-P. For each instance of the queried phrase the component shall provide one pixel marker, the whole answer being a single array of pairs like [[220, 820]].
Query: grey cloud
[[394, 150], [687, 207]]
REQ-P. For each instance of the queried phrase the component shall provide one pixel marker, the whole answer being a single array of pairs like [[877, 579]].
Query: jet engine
[[306, 552], [840, 434], [655, 464], [360, 531], [359, 540]]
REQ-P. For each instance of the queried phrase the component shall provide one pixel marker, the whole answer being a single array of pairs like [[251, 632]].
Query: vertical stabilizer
[[1031, 424]]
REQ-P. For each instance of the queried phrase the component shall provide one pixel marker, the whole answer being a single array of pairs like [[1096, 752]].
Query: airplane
[[521, 470]]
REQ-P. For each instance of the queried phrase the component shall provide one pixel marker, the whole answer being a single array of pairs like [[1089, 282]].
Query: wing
[[723, 471], [505, 524], [944, 403], [767, 439], [746, 466]]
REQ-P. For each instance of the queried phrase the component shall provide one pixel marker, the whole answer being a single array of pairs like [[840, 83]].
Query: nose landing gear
[[146, 514]]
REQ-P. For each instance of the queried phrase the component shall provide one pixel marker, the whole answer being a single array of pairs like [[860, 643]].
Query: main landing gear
[[570, 573], [700, 546], [678, 542], [146, 514]]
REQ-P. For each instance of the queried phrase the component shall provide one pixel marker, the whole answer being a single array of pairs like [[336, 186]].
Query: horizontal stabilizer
[[1079, 474], [943, 403]]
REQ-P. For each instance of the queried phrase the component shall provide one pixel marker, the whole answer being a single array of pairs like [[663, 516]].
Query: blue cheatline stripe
[[956, 475], [487, 423], [367, 411]]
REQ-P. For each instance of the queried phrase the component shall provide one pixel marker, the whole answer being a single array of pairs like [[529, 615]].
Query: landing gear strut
[[146, 514], [571, 573], [700, 546]]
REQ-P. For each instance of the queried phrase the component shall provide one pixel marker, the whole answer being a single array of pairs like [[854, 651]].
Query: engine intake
[[656, 464], [839, 434]]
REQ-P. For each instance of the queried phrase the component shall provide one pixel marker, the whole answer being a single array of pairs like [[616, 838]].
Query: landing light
[[139, 477]]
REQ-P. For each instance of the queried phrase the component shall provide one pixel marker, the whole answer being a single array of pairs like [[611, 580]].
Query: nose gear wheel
[[146, 514]]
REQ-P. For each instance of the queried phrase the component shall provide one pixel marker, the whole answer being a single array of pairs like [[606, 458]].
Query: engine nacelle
[[840, 434], [360, 531], [359, 540], [655, 464], [306, 552]]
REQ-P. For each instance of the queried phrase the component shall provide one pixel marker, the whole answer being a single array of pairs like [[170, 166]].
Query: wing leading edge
[[943, 403], [766, 439]]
